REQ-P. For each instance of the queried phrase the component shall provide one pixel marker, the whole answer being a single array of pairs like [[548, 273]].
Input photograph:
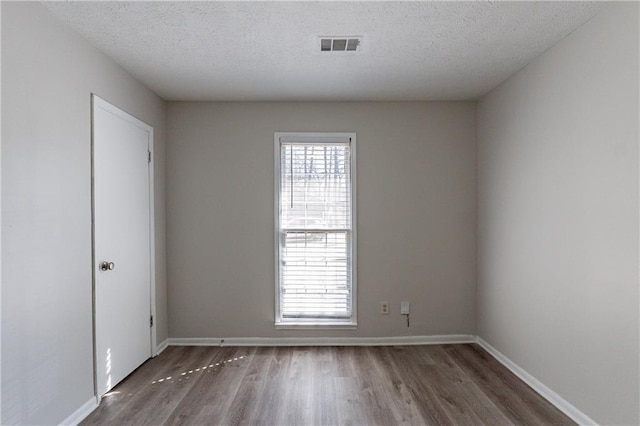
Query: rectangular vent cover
[[340, 44]]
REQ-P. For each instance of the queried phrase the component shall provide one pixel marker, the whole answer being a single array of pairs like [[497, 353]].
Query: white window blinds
[[315, 228]]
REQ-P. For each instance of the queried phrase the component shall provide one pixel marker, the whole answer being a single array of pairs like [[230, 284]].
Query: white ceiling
[[270, 50]]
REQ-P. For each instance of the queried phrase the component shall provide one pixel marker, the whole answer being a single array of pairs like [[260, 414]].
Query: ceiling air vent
[[340, 44]]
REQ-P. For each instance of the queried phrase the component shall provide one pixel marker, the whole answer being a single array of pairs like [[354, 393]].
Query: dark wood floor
[[439, 384]]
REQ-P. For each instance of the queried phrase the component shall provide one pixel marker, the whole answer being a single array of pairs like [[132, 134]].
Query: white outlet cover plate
[[404, 308]]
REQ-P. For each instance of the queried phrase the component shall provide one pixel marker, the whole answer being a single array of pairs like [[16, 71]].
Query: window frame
[[315, 323]]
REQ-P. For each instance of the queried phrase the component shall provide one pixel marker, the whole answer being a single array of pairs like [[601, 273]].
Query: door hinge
[[151, 321], [149, 155]]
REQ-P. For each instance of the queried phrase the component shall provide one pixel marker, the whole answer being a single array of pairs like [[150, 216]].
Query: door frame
[[99, 103]]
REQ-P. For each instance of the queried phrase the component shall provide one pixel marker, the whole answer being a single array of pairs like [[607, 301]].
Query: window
[[315, 229]]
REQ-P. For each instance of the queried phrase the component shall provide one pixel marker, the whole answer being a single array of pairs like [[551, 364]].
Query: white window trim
[[311, 323]]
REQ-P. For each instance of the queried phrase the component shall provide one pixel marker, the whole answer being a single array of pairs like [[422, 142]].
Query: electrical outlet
[[384, 308], [404, 308]]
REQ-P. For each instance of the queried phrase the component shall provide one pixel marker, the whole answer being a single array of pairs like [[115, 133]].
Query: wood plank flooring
[[378, 385]]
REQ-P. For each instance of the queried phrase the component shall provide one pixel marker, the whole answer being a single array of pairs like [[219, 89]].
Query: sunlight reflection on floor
[[186, 374]]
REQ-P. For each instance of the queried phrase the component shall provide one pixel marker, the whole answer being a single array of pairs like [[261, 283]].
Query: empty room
[[320, 213]]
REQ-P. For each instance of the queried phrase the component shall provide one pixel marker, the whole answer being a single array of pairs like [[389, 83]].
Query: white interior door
[[122, 243]]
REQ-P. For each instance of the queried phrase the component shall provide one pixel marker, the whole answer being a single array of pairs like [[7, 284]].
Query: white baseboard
[[162, 346], [81, 413], [555, 399], [322, 341]]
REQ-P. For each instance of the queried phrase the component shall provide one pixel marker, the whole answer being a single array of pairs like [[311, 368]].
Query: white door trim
[[97, 102]]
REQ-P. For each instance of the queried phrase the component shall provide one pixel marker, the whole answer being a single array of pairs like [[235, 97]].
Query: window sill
[[300, 325]]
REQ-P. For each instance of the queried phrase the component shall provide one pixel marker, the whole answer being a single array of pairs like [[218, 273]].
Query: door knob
[[107, 266]]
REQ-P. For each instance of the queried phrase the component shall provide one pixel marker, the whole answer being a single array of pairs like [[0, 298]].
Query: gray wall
[[48, 75], [416, 214], [558, 217]]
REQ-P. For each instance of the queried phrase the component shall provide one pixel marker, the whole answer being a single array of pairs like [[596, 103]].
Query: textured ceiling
[[270, 50]]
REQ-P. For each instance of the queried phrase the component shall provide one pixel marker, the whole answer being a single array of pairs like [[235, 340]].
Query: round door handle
[[107, 266]]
